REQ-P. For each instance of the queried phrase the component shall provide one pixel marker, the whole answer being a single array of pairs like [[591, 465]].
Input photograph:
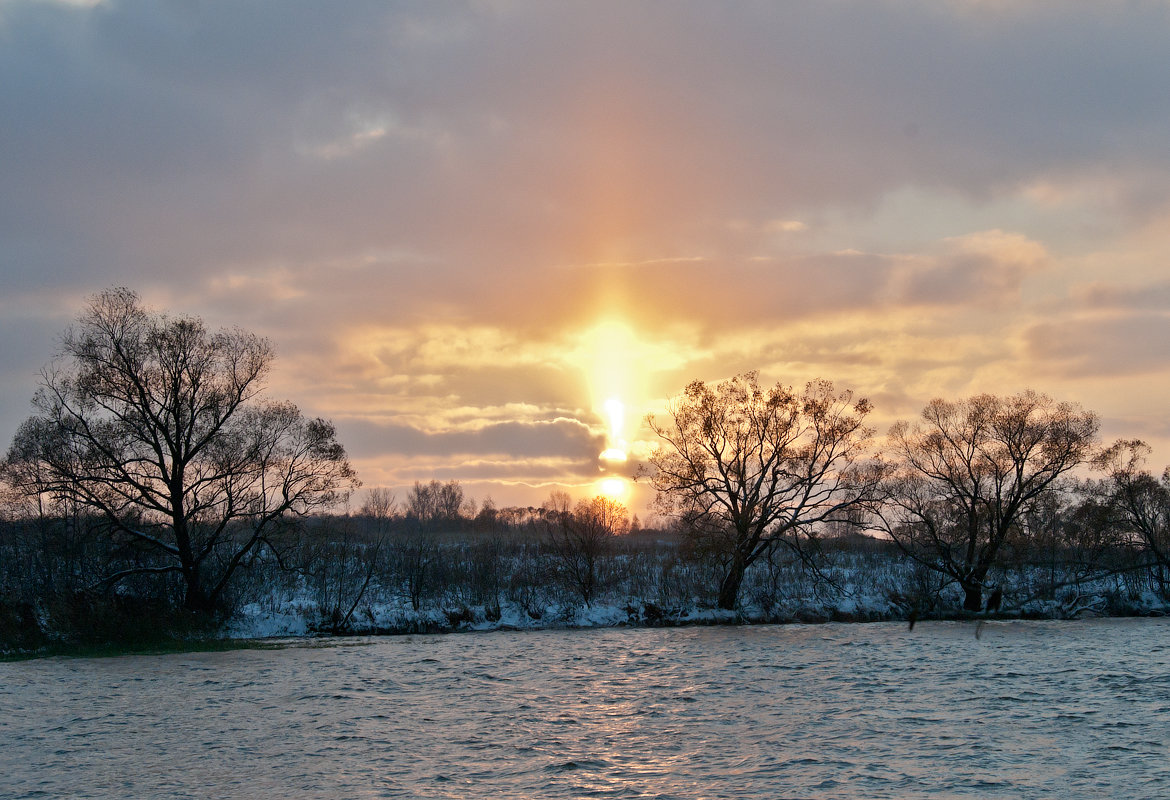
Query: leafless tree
[[157, 425], [748, 468], [380, 504], [416, 557], [1139, 503], [341, 561], [966, 472], [578, 540], [430, 508], [435, 502], [343, 558]]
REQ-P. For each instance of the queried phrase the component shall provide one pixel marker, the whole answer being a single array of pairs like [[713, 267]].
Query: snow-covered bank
[[256, 622], [855, 596]]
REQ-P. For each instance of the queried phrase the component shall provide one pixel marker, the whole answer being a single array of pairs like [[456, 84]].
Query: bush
[[89, 618], [20, 630]]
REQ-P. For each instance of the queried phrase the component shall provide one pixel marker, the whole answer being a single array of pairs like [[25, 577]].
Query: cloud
[[430, 207], [184, 142], [985, 268], [514, 439], [531, 457], [1083, 347], [1114, 297]]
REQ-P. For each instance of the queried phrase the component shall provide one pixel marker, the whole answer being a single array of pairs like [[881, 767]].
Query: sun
[[613, 455], [614, 361], [614, 488], [612, 372], [615, 450]]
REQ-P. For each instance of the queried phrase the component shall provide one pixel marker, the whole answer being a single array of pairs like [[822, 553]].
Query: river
[[1026, 710]]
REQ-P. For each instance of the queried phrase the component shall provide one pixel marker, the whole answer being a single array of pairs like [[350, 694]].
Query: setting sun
[[614, 488], [613, 374], [615, 444]]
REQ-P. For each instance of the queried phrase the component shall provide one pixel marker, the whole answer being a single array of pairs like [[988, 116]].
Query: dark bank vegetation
[[394, 571], [157, 497]]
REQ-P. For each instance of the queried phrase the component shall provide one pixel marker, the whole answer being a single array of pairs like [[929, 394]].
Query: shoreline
[[432, 627]]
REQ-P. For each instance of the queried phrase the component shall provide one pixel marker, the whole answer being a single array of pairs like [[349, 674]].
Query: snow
[[254, 622], [865, 587]]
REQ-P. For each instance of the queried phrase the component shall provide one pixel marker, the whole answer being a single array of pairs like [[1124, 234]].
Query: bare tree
[[747, 469], [157, 425], [341, 562], [380, 504], [343, 557], [429, 508], [435, 502], [966, 472], [578, 540], [49, 547], [559, 502], [1139, 503], [416, 558]]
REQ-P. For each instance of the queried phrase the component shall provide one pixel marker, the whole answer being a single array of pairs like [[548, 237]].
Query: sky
[[487, 238]]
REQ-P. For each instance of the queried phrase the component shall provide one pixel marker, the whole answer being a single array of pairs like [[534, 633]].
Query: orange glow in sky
[[614, 488], [615, 376]]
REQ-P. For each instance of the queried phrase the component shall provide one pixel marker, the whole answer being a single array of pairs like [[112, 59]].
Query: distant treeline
[[435, 562]]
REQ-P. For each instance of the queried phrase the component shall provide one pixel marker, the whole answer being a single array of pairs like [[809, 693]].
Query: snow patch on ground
[[862, 589], [254, 622]]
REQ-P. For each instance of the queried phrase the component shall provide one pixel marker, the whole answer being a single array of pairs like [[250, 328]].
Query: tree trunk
[[972, 596], [729, 587], [196, 597]]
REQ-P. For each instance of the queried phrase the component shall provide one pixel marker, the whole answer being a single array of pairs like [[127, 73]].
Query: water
[[1028, 710]]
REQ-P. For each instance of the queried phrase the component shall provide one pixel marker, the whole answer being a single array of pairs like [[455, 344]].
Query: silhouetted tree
[[341, 562], [967, 470], [157, 425], [416, 555], [380, 505], [51, 547], [1139, 503], [578, 540], [435, 502], [747, 468]]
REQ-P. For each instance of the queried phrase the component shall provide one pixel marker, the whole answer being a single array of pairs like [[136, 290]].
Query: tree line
[[154, 467]]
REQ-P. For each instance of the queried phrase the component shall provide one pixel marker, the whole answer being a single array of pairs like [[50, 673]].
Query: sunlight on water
[[1029, 710]]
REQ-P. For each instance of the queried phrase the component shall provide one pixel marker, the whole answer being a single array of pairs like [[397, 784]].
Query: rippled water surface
[[1028, 710]]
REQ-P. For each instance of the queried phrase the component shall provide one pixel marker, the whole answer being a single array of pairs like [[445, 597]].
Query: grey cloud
[[151, 136], [1083, 347], [1148, 297], [1150, 430], [964, 279], [532, 474], [520, 440]]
